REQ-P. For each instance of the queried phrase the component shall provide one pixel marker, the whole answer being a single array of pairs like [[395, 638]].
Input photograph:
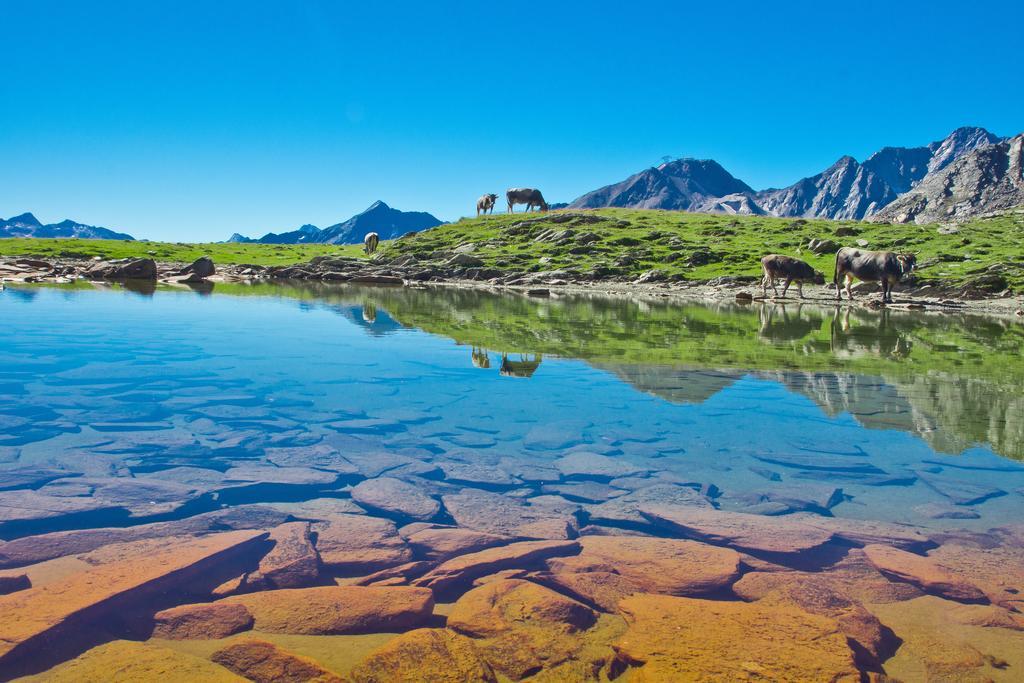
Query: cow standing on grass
[[871, 266], [526, 195], [486, 204], [370, 243], [776, 266]]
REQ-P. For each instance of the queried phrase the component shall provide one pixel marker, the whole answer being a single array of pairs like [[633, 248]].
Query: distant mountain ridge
[[379, 218], [848, 189], [27, 225], [988, 179]]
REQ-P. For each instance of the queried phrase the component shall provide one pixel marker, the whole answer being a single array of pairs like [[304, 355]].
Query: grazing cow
[[871, 266], [776, 266], [370, 242], [526, 195], [486, 204]]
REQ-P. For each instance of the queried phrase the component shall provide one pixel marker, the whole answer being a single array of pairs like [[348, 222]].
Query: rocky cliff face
[[989, 178], [680, 185], [379, 218], [27, 225], [846, 190]]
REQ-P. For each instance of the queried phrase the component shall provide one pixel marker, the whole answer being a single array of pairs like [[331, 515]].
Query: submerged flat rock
[[677, 639], [292, 563], [821, 461], [465, 568], [998, 571], [263, 662], [426, 654], [396, 497], [441, 544], [583, 465], [626, 508], [123, 660], [360, 543], [609, 568], [818, 594], [29, 616], [960, 492], [327, 610], [541, 517], [520, 626], [201, 621], [749, 532], [32, 549], [925, 573]]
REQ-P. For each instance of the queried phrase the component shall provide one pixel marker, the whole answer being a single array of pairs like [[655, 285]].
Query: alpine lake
[[313, 482]]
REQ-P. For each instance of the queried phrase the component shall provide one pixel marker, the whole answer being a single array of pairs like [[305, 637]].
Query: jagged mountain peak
[[847, 189], [24, 219], [679, 184], [27, 225], [378, 217], [988, 178]]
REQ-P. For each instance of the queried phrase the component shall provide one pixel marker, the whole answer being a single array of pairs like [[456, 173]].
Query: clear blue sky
[[192, 120]]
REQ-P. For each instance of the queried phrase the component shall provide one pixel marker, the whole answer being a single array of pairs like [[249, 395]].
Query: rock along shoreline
[[915, 295]]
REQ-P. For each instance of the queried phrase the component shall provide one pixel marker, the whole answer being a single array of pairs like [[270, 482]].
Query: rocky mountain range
[[27, 225], [848, 189], [379, 218], [988, 179]]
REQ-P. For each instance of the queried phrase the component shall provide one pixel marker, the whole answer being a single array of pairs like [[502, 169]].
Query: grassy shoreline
[[621, 244]]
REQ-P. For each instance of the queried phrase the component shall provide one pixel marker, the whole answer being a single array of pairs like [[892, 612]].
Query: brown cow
[[525, 195], [486, 204], [776, 266], [871, 266]]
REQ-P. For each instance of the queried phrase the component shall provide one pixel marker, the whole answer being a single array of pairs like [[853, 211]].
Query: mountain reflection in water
[[952, 379]]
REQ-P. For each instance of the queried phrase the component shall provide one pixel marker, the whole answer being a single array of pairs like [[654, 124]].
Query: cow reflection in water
[[524, 367], [866, 339], [782, 323], [370, 313], [480, 358], [521, 367]]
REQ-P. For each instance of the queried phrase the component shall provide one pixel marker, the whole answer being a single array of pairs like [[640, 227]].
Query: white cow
[[370, 242]]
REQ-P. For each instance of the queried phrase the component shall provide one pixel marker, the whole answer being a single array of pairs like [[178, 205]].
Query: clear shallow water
[[906, 418]]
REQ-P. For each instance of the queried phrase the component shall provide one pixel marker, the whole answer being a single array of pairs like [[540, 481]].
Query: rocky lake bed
[[225, 477]]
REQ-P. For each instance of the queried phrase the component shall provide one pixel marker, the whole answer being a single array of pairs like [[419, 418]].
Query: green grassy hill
[[624, 243], [629, 242], [220, 252]]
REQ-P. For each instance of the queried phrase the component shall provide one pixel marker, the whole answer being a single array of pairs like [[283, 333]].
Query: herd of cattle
[[885, 267], [515, 195]]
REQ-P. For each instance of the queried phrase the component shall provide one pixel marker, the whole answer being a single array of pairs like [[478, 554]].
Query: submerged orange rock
[[815, 594], [123, 661], [683, 639], [30, 618], [292, 562], [338, 609], [263, 662], [923, 572], [612, 567], [360, 543], [777, 535], [465, 568], [210, 620], [521, 626], [426, 654]]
